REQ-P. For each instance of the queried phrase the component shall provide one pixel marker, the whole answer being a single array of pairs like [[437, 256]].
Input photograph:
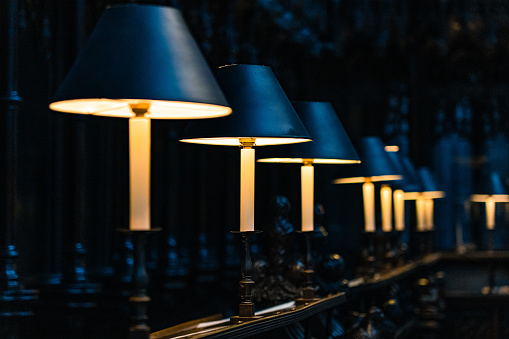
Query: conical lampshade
[[430, 186], [375, 164], [261, 111], [141, 54], [330, 145], [490, 185], [411, 173], [410, 182]]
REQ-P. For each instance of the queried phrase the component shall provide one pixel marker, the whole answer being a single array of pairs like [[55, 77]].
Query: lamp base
[[308, 297], [139, 299], [238, 319], [304, 301], [246, 307]]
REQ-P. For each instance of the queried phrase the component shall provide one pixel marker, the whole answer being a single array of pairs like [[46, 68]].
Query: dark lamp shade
[[141, 54], [429, 187], [410, 181], [261, 111], [375, 164], [490, 185], [330, 145]]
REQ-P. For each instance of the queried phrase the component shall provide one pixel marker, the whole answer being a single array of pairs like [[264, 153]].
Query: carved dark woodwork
[[330, 274], [278, 275], [172, 271], [16, 301], [429, 307], [329, 267]]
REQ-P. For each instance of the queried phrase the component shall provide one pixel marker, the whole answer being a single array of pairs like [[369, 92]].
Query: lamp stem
[[368, 191], [139, 300], [370, 269], [139, 168], [307, 195], [308, 291], [386, 202], [247, 185], [246, 306]]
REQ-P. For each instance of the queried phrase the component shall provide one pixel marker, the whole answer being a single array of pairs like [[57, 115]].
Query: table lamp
[[330, 145], [141, 63], [424, 205], [262, 115], [375, 166], [409, 183], [490, 190]]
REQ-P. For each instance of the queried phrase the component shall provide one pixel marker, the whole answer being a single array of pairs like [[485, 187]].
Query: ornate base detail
[[238, 319], [246, 306]]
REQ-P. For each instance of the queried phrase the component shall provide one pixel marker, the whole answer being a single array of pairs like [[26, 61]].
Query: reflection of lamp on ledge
[[490, 190], [262, 115], [330, 145], [141, 63], [375, 166]]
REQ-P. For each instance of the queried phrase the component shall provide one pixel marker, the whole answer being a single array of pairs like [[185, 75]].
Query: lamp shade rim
[[379, 178], [159, 109], [235, 141], [485, 197], [314, 161]]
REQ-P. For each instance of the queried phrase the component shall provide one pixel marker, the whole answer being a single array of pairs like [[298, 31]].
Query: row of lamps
[[142, 63]]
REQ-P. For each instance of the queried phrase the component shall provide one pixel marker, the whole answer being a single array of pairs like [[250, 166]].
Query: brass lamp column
[[330, 145], [141, 63], [262, 115]]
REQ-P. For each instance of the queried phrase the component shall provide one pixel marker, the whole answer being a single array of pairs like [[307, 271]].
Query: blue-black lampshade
[[261, 111], [141, 54], [490, 185], [375, 164], [410, 181], [330, 145], [429, 185]]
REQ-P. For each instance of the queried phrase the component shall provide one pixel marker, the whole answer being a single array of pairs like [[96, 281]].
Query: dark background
[[431, 76]]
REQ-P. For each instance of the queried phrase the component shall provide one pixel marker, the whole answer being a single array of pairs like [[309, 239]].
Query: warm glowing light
[[392, 148], [386, 200], [399, 210], [428, 195], [420, 206], [368, 191], [490, 213], [247, 189], [485, 197], [434, 194], [235, 141], [302, 160], [363, 179], [307, 199], [139, 173], [159, 109], [429, 207]]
